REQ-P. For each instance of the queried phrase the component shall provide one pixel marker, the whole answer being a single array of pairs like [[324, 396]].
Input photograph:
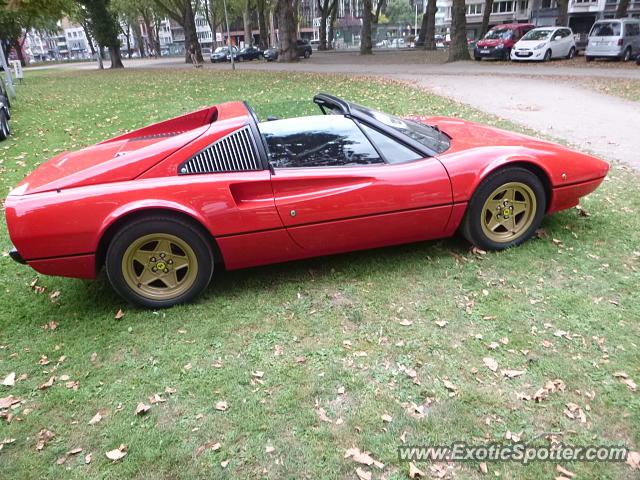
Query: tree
[[325, 7], [264, 7], [181, 12], [458, 50], [621, 11], [332, 23], [563, 9], [103, 24], [288, 28], [400, 12], [247, 12], [486, 14], [365, 31], [430, 34]]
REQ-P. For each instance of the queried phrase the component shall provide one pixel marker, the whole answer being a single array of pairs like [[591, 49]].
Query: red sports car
[[160, 206]]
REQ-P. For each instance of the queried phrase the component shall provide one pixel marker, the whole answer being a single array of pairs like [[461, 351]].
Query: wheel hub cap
[[508, 212]]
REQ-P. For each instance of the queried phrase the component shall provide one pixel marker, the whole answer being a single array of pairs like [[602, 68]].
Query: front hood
[[490, 42], [112, 161], [529, 43]]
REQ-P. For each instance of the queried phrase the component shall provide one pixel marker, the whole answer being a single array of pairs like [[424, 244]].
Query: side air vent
[[233, 153]]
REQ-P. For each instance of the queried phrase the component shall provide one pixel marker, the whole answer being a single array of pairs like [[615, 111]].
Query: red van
[[499, 39]]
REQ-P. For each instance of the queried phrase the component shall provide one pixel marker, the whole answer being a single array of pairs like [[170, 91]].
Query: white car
[[545, 43]]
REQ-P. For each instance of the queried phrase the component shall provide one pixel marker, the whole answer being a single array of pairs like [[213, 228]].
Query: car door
[[335, 192]]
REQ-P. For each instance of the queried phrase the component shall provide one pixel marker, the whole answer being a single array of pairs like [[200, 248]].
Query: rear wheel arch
[[129, 217]]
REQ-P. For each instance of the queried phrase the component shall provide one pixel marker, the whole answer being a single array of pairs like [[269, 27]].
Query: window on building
[[523, 5], [549, 4], [474, 9], [502, 7]]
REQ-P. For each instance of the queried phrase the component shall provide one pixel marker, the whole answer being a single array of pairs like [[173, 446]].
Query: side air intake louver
[[233, 153]]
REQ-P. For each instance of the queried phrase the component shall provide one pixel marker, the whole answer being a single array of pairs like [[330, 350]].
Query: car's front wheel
[[5, 130], [307, 54], [505, 210], [159, 261], [547, 56], [572, 53]]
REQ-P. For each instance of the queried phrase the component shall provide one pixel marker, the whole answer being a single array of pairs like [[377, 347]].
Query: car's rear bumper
[[568, 196]]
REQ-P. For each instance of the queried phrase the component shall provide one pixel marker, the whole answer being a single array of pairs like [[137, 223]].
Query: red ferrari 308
[[160, 206]]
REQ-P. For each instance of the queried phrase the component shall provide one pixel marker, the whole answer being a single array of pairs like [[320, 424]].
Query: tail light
[[620, 42]]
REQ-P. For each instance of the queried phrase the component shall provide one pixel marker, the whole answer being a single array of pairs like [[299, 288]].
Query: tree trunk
[[420, 41], [375, 20], [262, 25], [621, 11], [114, 55], [488, 6], [458, 50], [287, 27], [324, 8], [137, 33], [563, 18], [127, 35], [190, 34], [430, 34], [332, 30], [246, 20], [365, 31]]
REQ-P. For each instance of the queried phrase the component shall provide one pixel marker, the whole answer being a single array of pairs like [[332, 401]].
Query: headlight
[[500, 45], [539, 46]]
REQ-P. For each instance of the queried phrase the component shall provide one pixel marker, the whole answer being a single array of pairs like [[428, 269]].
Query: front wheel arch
[[118, 224]]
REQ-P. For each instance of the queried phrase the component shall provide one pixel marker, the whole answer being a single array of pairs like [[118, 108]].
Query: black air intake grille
[[233, 153]]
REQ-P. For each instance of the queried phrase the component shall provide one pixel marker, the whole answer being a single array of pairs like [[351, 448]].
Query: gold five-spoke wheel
[[508, 212], [159, 266]]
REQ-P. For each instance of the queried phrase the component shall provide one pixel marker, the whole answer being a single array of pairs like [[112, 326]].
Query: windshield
[[537, 34], [606, 29], [496, 34], [221, 49], [428, 136]]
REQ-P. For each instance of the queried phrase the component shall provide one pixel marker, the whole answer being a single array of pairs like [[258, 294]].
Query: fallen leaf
[[387, 418], [47, 384], [222, 406], [442, 323], [96, 418], [362, 457], [406, 323], [630, 383], [633, 460], [300, 359], [142, 408], [87, 458], [257, 374], [156, 398], [269, 449], [6, 402], [224, 463], [512, 373], [118, 316], [44, 436], [564, 471], [363, 474], [490, 363], [620, 374], [169, 390], [9, 380], [483, 468], [74, 451], [322, 414], [449, 386], [117, 454], [415, 472]]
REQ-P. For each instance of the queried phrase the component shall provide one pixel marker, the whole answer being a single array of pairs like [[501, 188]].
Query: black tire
[[572, 53], [191, 235], [477, 59], [5, 130], [589, 58], [307, 54], [626, 56], [471, 227], [241, 59], [547, 56], [507, 55], [261, 56], [638, 60]]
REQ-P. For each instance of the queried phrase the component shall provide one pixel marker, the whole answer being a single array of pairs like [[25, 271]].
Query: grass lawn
[[309, 355], [629, 89]]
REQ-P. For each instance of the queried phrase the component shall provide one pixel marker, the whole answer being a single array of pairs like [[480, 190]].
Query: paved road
[[551, 98]]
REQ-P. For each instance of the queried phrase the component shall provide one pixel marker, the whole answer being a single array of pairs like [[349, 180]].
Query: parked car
[[614, 39], [545, 43], [314, 44], [4, 98], [163, 206], [220, 54], [581, 40], [5, 131], [247, 53], [498, 42], [304, 50]]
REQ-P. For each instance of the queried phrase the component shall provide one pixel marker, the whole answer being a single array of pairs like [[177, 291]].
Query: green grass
[[627, 89], [324, 310]]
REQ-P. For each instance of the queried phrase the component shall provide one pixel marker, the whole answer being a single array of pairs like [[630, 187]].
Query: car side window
[[317, 141], [392, 151]]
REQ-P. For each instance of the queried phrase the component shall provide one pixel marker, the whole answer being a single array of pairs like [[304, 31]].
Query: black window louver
[[234, 153]]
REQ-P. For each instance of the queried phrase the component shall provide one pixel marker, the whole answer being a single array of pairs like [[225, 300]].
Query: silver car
[[615, 38]]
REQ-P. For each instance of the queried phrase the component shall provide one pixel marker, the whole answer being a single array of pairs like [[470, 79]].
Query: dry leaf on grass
[[442, 323], [142, 408], [213, 446], [119, 314], [490, 363], [169, 390], [47, 384], [222, 406], [363, 474], [156, 398], [6, 402], [362, 457], [87, 458], [269, 449], [44, 436], [564, 471], [630, 384], [9, 380], [322, 414], [633, 460], [415, 472], [387, 418], [118, 453], [483, 468], [224, 463], [96, 418], [406, 323], [512, 373]]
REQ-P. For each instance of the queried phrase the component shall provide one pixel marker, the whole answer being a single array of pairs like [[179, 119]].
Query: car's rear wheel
[[547, 56], [626, 56], [572, 53], [505, 210], [589, 58], [159, 261], [307, 54], [5, 130]]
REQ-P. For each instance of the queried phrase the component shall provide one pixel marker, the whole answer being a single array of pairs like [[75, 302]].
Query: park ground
[[281, 371]]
